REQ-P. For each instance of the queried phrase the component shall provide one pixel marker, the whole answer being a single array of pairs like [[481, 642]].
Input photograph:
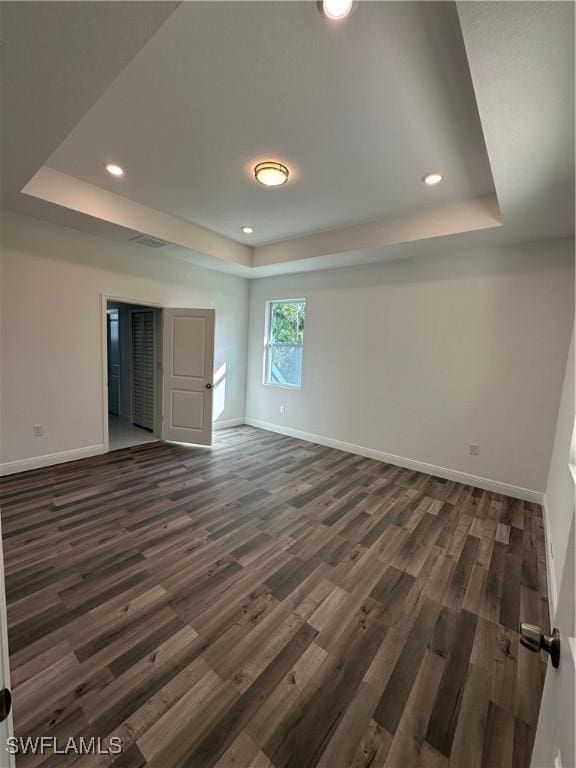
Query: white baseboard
[[486, 484], [550, 570], [23, 465], [37, 462], [228, 423]]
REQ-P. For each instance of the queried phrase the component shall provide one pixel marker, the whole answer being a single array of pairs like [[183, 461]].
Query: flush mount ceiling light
[[432, 178], [336, 9], [271, 174], [248, 230], [114, 170]]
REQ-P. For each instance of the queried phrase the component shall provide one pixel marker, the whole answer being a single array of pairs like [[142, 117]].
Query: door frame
[[7, 727], [105, 298]]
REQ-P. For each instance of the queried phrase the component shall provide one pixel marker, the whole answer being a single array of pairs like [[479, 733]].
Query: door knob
[[532, 637], [208, 386], [5, 703]]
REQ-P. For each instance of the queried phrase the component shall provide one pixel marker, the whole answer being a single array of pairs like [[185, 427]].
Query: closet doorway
[[133, 345]]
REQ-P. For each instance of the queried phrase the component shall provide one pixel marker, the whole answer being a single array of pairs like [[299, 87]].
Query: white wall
[[53, 279], [417, 358], [421, 357]]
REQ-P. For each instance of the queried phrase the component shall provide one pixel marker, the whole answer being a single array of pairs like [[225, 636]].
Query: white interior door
[[555, 744], [188, 352]]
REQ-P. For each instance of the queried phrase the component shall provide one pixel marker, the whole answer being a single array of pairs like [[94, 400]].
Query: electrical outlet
[[282, 409], [474, 449], [37, 430]]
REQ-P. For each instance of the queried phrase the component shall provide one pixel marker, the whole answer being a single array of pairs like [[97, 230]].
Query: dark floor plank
[[449, 697]]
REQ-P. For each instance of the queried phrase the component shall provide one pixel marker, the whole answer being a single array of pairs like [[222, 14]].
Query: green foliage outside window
[[287, 322], [285, 343]]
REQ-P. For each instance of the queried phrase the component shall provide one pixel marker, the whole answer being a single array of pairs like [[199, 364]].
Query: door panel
[[188, 409], [188, 352]]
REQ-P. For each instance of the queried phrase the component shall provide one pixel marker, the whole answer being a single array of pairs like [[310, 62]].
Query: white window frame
[[268, 344]]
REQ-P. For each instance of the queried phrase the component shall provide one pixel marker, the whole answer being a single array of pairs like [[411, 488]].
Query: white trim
[[297, 387], [266, 360], [128, 300], [486, 484], [227, 423], [550, 570], [37, 462], [104, 358], [8, 725]]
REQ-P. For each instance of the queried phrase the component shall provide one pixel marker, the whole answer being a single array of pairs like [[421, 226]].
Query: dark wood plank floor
[[271, 603]]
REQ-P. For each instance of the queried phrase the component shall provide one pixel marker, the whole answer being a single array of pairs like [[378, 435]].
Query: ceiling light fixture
[[336, 9], [114, 170], [248, 230], [271, 174], [432, 178]]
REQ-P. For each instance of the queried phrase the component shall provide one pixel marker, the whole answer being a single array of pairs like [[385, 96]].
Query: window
[[284, 342]]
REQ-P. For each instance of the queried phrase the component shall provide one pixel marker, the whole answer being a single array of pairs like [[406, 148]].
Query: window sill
[[282, 386]]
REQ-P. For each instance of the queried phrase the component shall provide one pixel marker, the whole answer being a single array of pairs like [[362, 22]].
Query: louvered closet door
[[143, 369]]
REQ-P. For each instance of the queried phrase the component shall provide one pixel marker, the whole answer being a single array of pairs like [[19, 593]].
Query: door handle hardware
[[532, 637], [208, 386], [5, 703]]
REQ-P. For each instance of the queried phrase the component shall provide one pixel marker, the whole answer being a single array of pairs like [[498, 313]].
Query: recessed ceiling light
[[432, 178], [336, 9], [114, 170], [271, 174], [248, 230]]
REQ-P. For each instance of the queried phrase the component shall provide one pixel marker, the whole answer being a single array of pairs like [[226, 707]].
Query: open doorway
[[133, 344]]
